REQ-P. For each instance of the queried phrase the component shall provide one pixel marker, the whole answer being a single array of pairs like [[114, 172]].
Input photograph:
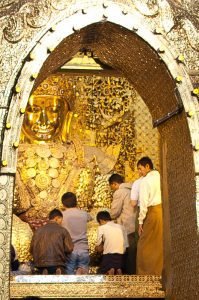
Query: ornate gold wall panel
[[111, 139], [88, 287], [6, 192], [23, 23], [145, 134]]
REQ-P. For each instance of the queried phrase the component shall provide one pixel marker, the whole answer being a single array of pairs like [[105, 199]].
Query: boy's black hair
[[116, 178], [103, 215], [69, 200], [144, 161], [55, 213]]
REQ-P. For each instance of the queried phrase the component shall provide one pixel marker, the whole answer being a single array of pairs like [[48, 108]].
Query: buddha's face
[[44, 118]]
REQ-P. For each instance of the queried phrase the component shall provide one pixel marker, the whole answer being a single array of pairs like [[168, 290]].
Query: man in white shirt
[[135, 203], [112, 240], [135, 192], [150, 244]]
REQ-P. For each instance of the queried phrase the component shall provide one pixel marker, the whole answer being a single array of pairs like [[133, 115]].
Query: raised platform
[[86, 286]]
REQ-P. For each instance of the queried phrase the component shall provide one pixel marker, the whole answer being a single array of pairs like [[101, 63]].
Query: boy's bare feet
[[81, 271], [58, 271], [45, 272], [111, 271], [118, 272]]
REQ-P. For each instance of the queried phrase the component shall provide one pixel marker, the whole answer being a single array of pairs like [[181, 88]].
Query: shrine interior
[[82, 124], [87, 89]]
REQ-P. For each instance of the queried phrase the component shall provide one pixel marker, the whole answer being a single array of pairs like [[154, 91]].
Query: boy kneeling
[[50, 245], [112, 241]]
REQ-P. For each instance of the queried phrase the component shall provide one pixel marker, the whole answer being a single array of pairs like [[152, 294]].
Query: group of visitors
[[61, 246], [129, 236], [138, 209]]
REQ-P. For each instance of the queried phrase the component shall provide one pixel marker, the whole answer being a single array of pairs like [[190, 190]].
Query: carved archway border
[[112, 13]]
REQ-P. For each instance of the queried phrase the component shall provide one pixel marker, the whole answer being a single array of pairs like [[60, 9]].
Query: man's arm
[[100, 237], [135, 192], [134, 203], [117, 204], [100, 241], [126, 242], [68, 244], [99, 248], [144, 196]]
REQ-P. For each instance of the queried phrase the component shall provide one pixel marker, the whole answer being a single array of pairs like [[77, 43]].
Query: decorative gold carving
[[3, 194], [166, 14], [21, 238], [35, 14], [14, 30], [53, 173], [2, 209], [38, 13], [59, 4], [2, 239], [43, 152], [176, 37], [54, 162], [3, 180], [42, 181], [82, 165], [56, 152], [56, 183], [102, 196], [1, 253], [146, 7], [6, 185], [43, 165], [31, 172], [2, 224], [192, 34], [113, 96], [89, 287]]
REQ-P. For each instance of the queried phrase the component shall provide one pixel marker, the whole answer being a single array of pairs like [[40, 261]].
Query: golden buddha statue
[[44, 118], [58, 153]]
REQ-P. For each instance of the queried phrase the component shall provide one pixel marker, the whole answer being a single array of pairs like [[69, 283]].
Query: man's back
[[114, 238], [50, 244], [121, 208], [75, 221]]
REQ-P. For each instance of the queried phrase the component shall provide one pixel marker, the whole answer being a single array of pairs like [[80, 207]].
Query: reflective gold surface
[[44, 118], [100, 139], [21, 238], [87, 286], [22, 26]]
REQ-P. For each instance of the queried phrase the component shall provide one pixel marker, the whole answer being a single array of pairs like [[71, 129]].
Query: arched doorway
[[119, 41]]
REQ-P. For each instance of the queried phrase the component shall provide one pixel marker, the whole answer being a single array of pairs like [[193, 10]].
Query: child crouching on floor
[[112, 241]]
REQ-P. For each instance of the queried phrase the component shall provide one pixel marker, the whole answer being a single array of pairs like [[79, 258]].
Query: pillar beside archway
[[147, 61]]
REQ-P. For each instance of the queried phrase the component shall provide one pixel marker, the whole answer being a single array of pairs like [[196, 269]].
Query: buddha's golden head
[[44, 118]]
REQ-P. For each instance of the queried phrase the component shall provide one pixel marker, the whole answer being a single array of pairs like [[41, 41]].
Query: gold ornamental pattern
[[42, 181], [21, 238], [40, 175], [43, 165], [91, 286], [101, 141]]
